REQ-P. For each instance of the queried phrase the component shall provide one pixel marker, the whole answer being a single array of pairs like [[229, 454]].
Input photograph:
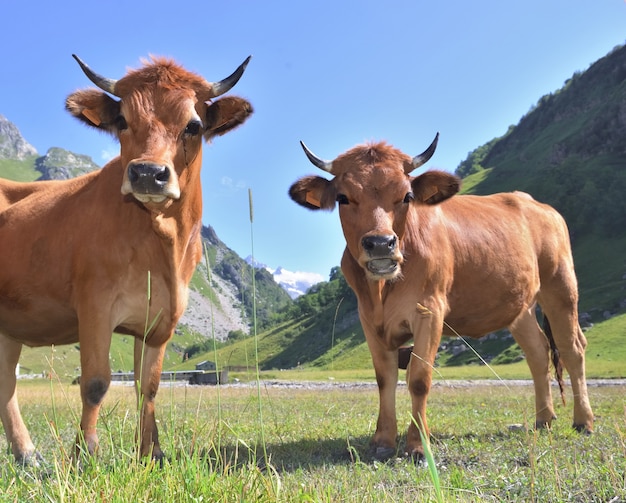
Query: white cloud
[[106, 155], [229, 183]]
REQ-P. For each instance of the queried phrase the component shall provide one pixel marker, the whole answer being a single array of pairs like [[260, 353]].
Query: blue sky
[[333, 73]]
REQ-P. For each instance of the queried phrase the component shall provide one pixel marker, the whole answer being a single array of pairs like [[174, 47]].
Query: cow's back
[[491, 255]]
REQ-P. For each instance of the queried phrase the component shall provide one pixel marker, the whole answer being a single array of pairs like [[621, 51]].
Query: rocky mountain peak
[[12, 143], [60, 164]]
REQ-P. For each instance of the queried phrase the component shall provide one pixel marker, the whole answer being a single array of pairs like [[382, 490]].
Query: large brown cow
[[113, 250], [422, 262]]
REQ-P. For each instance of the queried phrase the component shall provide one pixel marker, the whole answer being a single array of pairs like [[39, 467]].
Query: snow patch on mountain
[[294, 283]]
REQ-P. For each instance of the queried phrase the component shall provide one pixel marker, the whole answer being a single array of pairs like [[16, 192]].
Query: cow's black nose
[[148, 178], [379, 246]]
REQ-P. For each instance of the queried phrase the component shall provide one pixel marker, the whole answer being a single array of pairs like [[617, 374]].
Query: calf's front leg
[[427, 335], [386, 369]]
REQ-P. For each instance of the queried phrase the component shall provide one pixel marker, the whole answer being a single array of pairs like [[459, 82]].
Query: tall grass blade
[[430, 460], [254, 329], [332, 341], [217, 366]]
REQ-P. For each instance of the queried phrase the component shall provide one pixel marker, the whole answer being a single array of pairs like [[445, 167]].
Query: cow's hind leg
[[534, 344], [148, 365], [17, 435]]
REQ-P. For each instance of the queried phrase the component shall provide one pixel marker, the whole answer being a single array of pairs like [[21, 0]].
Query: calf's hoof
[[384, 453], [29, 459], [416, 455]]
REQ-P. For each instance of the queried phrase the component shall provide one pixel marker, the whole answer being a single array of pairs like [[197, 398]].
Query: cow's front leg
[[148, 365], [419, 377], [95, 344], [386, 369], [17, 435]]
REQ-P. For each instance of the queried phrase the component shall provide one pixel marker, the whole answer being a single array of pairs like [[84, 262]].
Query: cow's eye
[[120, 123], [409, 197], [193, 128], [342, 199]]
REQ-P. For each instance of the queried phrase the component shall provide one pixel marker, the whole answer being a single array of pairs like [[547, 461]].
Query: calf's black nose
[[379, 245], [148, 178]]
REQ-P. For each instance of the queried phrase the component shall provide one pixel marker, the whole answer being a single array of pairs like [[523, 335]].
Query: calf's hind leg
[[17, 435], [531, 339], [571, 343]]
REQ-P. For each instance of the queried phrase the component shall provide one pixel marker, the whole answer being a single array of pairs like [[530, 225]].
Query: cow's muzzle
[[382, 255], [150, 182]]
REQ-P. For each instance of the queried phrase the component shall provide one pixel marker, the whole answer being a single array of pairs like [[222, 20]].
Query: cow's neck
[[371, 294], [179, 230]]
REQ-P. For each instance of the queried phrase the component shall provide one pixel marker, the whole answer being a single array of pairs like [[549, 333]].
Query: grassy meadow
[[263, 441]]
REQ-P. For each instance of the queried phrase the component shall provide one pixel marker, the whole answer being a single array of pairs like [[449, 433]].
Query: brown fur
[[465, 264], [78, 257]]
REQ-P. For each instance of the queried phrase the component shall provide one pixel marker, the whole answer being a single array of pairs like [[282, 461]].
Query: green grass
[[318, 448], [19, 171]]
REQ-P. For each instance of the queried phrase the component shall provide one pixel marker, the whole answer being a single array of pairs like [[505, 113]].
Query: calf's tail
[[556, 361]]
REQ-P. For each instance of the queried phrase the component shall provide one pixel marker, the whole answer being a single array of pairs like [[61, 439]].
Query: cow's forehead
[[361, 159], [378, 179], [163, 74], [171, 106]]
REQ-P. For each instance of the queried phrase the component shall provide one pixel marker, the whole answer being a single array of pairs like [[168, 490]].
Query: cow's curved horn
[[223, 86], [320, 163], [103, 83], [423, 158]]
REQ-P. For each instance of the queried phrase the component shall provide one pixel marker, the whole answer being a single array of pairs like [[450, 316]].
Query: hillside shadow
[[316, 338]]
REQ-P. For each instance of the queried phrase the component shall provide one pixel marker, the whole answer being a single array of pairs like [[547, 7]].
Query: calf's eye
[[342, 199], [409, 197], [120, 123], [193, 128]]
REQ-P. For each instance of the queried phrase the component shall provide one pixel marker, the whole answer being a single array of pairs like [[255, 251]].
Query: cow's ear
[[94, 108], [224, 115], [313, 192], [433, 187]]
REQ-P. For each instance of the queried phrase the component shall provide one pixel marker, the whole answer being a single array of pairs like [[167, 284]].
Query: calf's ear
[[313, 192], [94, 108], [433, 187], [224, 115]]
